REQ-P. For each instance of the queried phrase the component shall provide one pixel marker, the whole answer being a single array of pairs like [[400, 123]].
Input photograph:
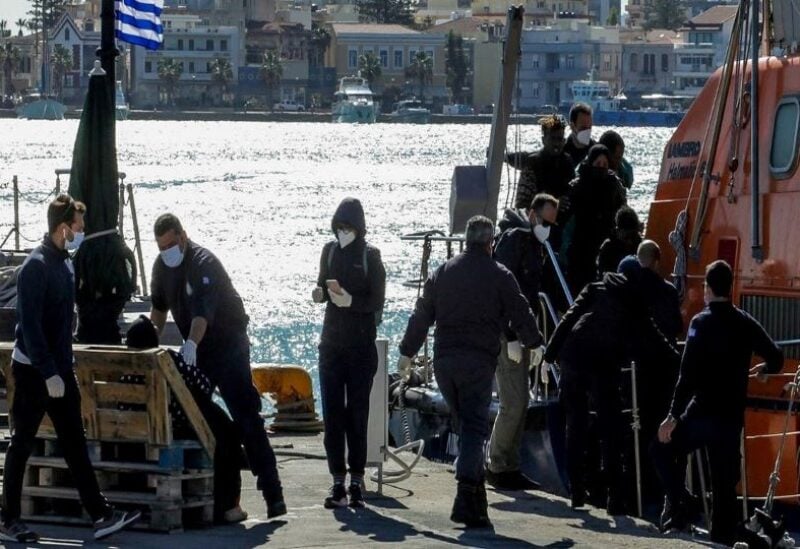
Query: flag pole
[[108, 51]]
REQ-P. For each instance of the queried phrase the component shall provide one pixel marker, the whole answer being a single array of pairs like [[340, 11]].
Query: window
[[664, 62], [782, 156], [66, 35], [180, 43], [411, 55], [606, 62], [429, 53], [223, 45], [352, 58], [191, 66], [148, 67], [398, 59], [535, 61], [535, 90], [570, 62], [76, 57], [634, 62], [88, 25], [384, 57], [209, 45], [191, 45]]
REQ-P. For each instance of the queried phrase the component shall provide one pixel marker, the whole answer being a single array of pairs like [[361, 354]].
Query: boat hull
[[42, 109], [411, 117], [638, 118], [354, 114]]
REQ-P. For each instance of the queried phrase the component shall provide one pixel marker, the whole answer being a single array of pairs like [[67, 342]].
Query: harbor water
[[261, 196]]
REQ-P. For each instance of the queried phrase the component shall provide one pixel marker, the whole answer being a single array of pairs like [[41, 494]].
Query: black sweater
[[715, 367]]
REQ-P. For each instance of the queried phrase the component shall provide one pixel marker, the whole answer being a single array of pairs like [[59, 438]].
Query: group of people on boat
[[486, 332]]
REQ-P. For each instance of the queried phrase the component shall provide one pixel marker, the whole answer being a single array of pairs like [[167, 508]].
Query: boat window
[[784, 137]]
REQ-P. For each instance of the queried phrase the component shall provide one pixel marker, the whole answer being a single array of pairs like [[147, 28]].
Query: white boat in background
[[354, 103], [36, 107], [122, 109], [410, 111]]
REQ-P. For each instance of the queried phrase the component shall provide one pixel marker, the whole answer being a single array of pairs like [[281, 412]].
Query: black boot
[[483, 508], [467, 507]]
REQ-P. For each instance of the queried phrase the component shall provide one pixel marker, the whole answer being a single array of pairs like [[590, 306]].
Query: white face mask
[[541, 233], [345, 237], [584, 137], [172, 257], [77, 239]]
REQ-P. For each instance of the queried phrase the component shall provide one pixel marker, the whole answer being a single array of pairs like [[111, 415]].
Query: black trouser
[[345, 379], [227, 365], [598, 384], [466, 385], [31, 401], [722, 440]]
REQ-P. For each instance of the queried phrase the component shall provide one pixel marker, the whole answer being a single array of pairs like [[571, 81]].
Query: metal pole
[[559, 274], [16, 213], [755, 189], [744, 479], [108, 51], [135, 222], [636, 427], [121, 219]]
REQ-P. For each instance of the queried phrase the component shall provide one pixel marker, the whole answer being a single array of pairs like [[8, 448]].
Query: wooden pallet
[[138, 463]]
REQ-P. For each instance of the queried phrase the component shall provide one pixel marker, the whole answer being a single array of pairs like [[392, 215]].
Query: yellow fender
[[291, 389]]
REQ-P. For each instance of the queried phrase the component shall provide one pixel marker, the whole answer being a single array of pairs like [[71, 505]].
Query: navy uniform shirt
[[199, 287]]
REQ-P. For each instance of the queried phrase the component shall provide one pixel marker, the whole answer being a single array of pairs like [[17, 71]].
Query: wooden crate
[[138, 463]]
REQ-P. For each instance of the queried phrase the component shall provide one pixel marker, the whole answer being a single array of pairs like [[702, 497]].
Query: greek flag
[[139, 22]]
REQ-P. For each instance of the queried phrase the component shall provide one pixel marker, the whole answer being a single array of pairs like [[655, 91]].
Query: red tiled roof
[[366, 28], [715, 16]]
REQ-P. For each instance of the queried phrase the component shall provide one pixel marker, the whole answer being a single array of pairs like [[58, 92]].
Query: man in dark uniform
[[521, 251], [709, 401], [44, 380], [191, 283], [592, 342], [548, 170], [580, 137], [471, 298]]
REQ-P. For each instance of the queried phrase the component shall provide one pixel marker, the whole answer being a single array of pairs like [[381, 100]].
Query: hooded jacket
[[471, 298], [541, 173], [519, 251], [45, 309], [354, 326], [606, 320]]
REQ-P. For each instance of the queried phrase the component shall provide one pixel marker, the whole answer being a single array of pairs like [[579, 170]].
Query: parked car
[[289, 105]]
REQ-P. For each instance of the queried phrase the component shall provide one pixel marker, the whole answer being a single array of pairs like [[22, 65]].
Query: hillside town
[[291, 53]]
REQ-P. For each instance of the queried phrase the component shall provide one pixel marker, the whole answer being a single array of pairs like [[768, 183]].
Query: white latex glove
[[317, 296], [514, 351], [55, 386], [404, 367], [537, 355], [189, 352], [545, 371], [343, 299]]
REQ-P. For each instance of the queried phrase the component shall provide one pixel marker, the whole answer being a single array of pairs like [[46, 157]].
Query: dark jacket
[[519, 251], [606, 318], [714, 372], [471, 298], [45, 309], [613, 250], [576, 153], [354, 326], [664, 304], [541, 173], [199, 287]]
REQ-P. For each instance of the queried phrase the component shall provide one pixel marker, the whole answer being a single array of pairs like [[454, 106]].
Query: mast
[[755, 187], [502, 110]]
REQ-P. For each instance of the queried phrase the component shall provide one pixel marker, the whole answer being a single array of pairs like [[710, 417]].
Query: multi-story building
[[81, 40], [395, 47], [194, 44], [537, 12], [27, 74], [648, 62], [701, 49], [555, 56]]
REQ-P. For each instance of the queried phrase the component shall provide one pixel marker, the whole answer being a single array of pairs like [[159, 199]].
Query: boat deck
[[415, 513]]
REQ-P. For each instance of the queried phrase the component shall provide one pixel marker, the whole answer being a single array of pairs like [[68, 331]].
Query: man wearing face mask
[[44, 380], [191, 283], [580, 137], [352, 281], [548, 170], [521, 251]]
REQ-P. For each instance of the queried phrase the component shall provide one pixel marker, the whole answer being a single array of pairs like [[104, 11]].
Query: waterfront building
[[537, 12], [555, 56], [648, 62], [395, 47], [193, 43], [81, 40], [702, 47], [27, 74]]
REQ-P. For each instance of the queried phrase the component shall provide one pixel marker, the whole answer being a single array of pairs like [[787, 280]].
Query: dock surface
[[415, 513]]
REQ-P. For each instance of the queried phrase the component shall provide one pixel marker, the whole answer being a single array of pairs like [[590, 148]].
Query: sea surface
[[261, 197]]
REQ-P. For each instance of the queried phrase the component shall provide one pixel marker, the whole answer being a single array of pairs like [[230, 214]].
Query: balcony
[[703, 48]]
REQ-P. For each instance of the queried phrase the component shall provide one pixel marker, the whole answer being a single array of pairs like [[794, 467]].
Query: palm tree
[[271, 72], [222, 74], [370, 67], [169, 72], [320, 40], [421, 68], [3, 26], [10, 59], [61, 61], [21, 23]]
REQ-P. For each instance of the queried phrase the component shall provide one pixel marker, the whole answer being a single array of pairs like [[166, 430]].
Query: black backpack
[[365, 264]]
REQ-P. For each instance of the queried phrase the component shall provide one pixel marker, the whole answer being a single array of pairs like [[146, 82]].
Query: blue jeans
[[466, 384]]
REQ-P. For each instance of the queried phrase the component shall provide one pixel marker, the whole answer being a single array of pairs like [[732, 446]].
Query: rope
[[677, 239]]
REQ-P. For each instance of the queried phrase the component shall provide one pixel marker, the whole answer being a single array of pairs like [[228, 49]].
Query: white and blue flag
[[139, 22]]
